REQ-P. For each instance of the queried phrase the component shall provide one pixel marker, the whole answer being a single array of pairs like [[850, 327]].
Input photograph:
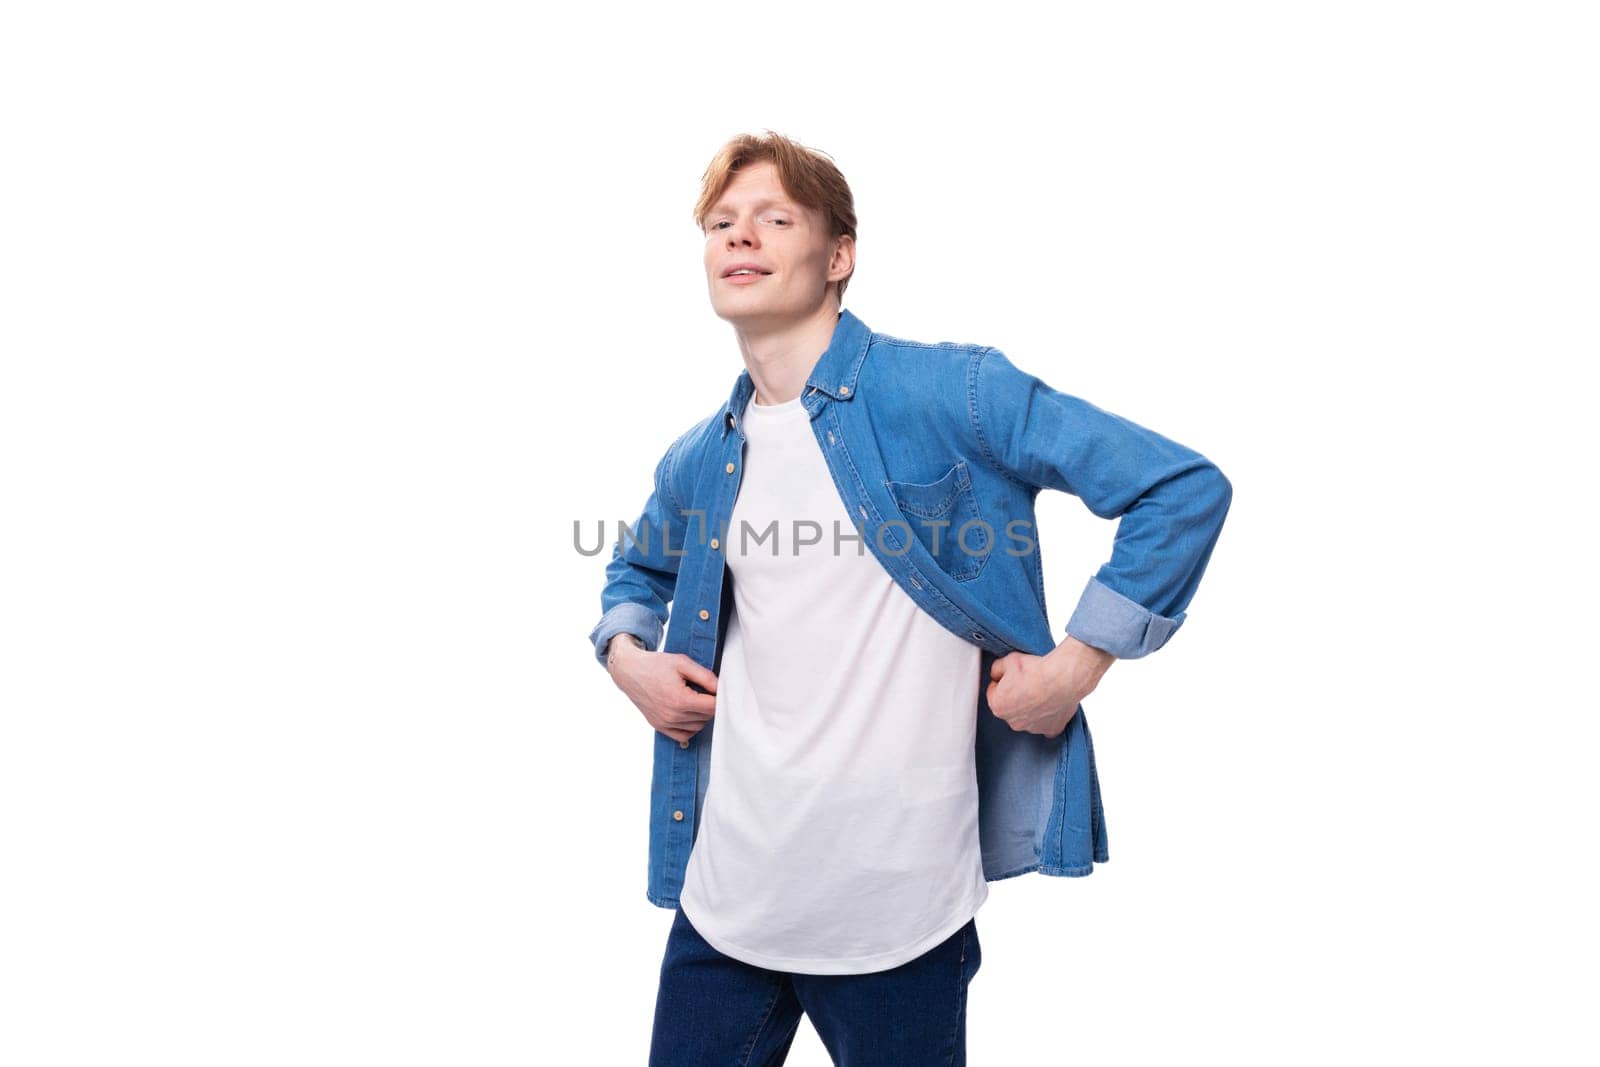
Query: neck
[[780, 356]]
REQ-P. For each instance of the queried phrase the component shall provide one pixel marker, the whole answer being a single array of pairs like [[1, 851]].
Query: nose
[[740, 234]]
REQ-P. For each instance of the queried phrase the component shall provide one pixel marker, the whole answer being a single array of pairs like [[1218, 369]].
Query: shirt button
[[677, 816], [844, 390], [713, 542], [683, 744], [977, 635], [729, 468], [704, 614]]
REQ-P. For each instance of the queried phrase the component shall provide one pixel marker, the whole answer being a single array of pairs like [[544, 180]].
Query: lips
[[756, 267]]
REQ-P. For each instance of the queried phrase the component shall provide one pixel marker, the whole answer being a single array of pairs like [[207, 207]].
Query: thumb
[[1000, 666]]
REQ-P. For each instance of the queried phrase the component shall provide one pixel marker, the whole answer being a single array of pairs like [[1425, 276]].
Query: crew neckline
[[762, 410]]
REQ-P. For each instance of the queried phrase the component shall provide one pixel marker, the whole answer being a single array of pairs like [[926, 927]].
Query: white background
[[322, 323]]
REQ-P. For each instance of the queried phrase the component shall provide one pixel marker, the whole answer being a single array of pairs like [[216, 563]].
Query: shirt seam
[[974, 367], [668, 471]]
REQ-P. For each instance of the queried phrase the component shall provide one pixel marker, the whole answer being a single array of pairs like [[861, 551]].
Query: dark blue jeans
[[716, 1011]]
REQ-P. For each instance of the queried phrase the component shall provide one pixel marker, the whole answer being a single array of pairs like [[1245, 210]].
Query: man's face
[[756, 223]]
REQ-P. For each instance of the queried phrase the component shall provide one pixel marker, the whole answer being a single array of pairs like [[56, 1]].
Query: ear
[[843, 263]]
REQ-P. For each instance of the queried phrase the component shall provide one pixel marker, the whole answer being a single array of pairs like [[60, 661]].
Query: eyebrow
[[722, 205]]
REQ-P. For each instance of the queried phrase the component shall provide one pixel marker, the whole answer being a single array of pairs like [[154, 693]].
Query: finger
[[679, 729], [997, 668], [699, 704], [682, 715], [696, 673]]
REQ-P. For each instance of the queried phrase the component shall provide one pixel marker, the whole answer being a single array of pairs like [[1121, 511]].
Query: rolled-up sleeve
[[1170, 500], [643, 572]]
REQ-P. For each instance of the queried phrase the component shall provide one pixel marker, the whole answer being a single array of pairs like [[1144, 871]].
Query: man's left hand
[[1041, 694]]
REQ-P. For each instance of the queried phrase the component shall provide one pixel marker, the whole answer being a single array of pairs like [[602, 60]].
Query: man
[[857, 599]]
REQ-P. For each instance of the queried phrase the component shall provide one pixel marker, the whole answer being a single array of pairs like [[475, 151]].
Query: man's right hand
[[658, 685]]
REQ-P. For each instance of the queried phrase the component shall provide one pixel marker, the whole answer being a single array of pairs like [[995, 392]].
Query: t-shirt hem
[[882, 961]]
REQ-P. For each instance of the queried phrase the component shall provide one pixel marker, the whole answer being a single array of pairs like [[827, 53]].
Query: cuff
[[1116, 624], [626, 617]]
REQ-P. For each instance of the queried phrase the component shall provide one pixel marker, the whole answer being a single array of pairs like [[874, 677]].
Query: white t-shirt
[[839, 833]]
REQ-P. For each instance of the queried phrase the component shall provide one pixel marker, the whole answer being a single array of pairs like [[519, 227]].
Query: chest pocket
[[943, 515]]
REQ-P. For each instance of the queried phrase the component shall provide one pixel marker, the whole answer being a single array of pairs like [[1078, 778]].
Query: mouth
[[744, 274]]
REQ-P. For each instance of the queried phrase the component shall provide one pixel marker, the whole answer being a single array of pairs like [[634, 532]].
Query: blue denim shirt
[[938, 451]]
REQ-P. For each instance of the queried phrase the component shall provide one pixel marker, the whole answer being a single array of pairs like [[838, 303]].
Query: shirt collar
[[836, 373]]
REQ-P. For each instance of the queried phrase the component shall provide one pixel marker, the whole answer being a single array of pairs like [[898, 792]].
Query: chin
[[736, 310]]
